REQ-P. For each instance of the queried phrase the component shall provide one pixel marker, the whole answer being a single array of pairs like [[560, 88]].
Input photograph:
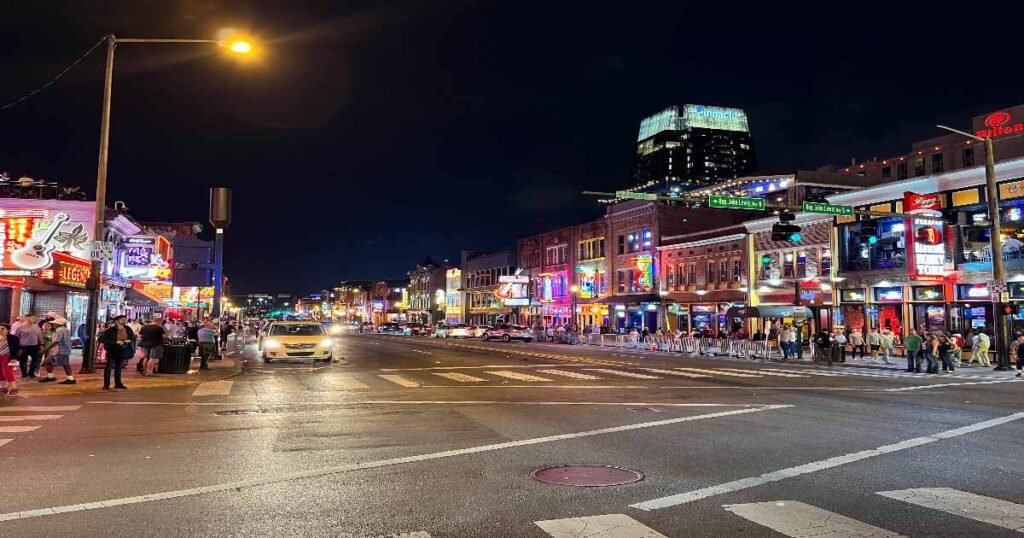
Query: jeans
[[912, 357], [947, 362], [115, 361], [206, 350], [29, 369], [858, 347], [932, 367]]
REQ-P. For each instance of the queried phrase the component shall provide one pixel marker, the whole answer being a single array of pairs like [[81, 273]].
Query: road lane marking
[[996, 512], [676, 372], [417, 534], [440, 402], [345, 382], [571, 375], [461, 378], [942, 385], [316, 473], [213, 388], [799, 520], [518, 376], [399, 380], [18, 429], [716, 372], [5, 441], [606, 526], [760, 371], [29, 417], [621, 373], [813, 467], [38, 408], [487, 367]]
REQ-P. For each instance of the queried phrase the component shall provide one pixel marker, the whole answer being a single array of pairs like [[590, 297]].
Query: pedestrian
[[822, 345], [17, 323], [207, 338], [226, 329], [874, 341], [193, 336], [116, 341], [888, 343], [134, 325], [784, 336], [8, 350], [932, 354], [946, 346], [30, 337], [839, 345], [1019, 356], [959, 351], [58, 352], [981, 349], [151, 342], [913, 347], [857, 343]]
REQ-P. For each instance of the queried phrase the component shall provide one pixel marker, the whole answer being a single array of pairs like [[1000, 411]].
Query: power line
[[56, 78]]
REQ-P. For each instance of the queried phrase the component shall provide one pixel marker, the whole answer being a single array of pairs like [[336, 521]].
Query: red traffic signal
[[1010, 309]]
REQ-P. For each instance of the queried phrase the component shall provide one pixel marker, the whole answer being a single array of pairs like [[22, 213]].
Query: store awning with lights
[[761, 312], [631, 300]]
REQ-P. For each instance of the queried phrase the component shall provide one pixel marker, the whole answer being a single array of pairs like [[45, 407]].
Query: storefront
[[593, 314]]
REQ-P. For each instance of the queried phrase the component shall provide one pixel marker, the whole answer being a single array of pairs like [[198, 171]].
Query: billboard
[[32, 231], [514, 289], [715, 117]]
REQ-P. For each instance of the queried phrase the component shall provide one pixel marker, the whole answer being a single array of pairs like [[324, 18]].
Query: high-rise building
[[690, 146]]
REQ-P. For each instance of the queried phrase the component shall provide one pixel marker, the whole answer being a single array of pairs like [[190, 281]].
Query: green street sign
[[735, 202], [828, 209], [629, 195]]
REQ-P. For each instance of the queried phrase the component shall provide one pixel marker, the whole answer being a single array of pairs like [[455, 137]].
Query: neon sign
[[31, 236], [643, 278], [927, 250], [587, 278], [997, 124]]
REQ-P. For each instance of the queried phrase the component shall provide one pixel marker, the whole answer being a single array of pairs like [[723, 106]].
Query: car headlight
[[326, 342], [270, 343]]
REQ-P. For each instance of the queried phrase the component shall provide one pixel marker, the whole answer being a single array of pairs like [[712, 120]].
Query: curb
[[95, 385]]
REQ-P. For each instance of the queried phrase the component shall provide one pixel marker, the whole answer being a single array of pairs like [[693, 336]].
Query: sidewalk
[[88, 383]]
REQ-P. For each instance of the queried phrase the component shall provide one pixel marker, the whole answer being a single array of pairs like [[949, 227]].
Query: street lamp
[[998, 272], [231, 42], [575, 290]]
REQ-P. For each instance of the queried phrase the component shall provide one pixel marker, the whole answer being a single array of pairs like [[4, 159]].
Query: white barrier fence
[[748, 349]]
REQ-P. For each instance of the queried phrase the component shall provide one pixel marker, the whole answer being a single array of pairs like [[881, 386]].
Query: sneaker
[[122, 387], [48, 380], [68, 382], [106, 388], [1018, 374]]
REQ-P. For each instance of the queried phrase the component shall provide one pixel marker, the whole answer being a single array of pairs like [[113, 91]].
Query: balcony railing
[[985, 254], [39, 190]]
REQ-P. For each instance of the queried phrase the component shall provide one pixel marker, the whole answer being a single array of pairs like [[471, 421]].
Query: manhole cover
[[238, 412], [587, 476]]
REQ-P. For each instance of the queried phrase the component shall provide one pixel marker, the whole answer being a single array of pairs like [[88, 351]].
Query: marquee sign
[[1000, 124], [926, 248], [33, 231]]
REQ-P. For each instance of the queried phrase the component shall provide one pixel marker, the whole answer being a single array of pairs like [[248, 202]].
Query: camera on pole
[[785, 230]]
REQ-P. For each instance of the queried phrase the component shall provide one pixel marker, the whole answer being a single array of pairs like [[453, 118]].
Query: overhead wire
[[56, 78]]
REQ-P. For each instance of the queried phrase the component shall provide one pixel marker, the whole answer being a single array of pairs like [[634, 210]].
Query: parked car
[[477, 331], [507, 332], [390, 328], [415, 329], [460, 330]]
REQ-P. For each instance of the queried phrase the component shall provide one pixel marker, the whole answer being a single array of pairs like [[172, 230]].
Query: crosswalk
[[797, 519], [21, 419]]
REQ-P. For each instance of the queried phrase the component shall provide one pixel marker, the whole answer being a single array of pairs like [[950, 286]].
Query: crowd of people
[[32, 343]]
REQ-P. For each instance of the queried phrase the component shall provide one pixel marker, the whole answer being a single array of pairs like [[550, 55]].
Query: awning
[[137, 298], [764, 311], [631, 299]]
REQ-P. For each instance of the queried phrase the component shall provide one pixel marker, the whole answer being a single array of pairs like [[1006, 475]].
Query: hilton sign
[[1003, 123]]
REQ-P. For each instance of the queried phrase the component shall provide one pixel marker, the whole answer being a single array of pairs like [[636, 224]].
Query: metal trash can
[[177, 359]]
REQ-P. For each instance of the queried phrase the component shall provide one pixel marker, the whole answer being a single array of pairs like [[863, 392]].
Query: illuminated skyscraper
[[691, 146]]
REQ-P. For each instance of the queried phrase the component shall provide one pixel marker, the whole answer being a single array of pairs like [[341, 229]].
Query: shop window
[[801, 265], [874, 244], [723, 271], [852, 296], [671, 272], [709, 273], [936, 163], [620, 277], [968, 156], [889, 295], [901, 171], [972, 292], [928, 293], [622, 244], [886, 172], [787, 265], [825, 266], [918, 166]]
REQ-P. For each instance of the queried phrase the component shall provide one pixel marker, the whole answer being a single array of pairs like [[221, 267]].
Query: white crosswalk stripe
[[623, 373], [417, 534], [39, 408], [5, 441], [571, 375], [716, 372], [214, 388], [399, 380], [18, 429], [799, 520], [761, 371], [461, 378], [606, 526], [345, 382], [676, 373], [518, 376], [22, 418], [996, 512]]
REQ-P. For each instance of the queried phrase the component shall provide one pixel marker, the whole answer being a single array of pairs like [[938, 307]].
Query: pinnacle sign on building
[[1000, 124]]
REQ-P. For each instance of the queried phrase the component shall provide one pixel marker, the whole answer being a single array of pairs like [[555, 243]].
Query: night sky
[[373, 134]]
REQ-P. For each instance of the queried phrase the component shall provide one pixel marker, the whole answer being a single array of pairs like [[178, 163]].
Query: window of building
[[918, 166], [671, 273], [801, 264], [709, 273], [969, 156], [590, 249], [555, 255], [622, 244], [602, 282], [826, 262], [901, 171], [787, 265], [680, 275], [936, 163], [723, 271], [886, 171], [620, 277], [692, 279], [737, 270]]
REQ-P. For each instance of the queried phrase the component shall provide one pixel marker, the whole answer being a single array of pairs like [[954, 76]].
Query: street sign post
[[735, 202], [629, 195], [828, 209]]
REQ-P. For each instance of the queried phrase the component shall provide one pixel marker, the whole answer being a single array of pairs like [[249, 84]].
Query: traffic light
[[1010, 309], [869, 231], [785, 230]]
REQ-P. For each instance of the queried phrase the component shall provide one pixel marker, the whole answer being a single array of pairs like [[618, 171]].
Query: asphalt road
[[420, 437]]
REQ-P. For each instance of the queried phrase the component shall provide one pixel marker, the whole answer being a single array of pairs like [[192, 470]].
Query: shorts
[[155, 352], [61, 359], [875, 347]]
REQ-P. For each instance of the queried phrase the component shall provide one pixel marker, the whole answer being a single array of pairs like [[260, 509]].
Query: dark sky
[[372, 134]]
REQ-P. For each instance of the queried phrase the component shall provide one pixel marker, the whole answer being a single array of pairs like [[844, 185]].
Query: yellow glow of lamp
[[240, 47]]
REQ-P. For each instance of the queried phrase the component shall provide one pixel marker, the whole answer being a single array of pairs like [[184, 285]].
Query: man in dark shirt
[[151, 342]]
